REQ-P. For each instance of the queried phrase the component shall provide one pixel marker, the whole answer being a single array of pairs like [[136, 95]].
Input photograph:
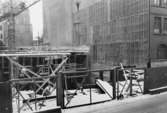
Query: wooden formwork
[[34, 74]]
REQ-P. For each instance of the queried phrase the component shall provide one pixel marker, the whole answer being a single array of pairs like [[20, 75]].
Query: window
[[160, 3], [165, 26], [157, 25], [156, 2], [164, 3]]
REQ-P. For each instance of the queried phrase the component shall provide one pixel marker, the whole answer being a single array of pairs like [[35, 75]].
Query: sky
[[37, 19]]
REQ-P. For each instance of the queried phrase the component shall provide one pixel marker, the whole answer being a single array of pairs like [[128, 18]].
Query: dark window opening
[[157, 25], [165, 26]]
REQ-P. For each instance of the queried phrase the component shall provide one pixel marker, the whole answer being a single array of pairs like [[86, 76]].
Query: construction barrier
[[5, 98], [155, 79], [67, 98]]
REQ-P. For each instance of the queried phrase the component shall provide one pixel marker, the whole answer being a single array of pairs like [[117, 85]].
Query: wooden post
[[113, 80], [117, 79], [60, 90], [146, 76], [101, 75], [90, 95], [12, 71], [131, 82]]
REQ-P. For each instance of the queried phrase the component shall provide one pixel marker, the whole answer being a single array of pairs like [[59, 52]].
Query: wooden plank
[[31, 54], [55, 110], [106, 87]]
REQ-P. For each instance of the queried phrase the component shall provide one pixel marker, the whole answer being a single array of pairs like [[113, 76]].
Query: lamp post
[[149, 38]]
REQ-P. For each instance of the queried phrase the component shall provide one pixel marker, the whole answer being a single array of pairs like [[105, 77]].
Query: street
[[142, 104]]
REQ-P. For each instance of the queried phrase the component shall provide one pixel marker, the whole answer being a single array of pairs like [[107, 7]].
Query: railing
[[64, 94]]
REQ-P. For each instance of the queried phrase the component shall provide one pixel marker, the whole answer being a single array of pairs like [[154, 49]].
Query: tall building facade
[[23, 27], [57, 23], [127, 31], [91, 13], [23, 30], [61, 29]]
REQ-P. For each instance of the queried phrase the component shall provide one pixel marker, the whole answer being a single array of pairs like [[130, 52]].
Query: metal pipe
[[149, 38]]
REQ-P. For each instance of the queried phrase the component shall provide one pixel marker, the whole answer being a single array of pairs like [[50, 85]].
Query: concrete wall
[[57, 22]]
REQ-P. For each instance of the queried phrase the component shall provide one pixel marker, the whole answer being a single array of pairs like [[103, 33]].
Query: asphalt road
[[143, 104]]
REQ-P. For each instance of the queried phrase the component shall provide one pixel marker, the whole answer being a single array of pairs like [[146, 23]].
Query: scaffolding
[[46, 80], [32, 78]]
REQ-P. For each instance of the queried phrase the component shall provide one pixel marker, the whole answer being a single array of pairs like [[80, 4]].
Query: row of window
[[160, 3], [160, 25]]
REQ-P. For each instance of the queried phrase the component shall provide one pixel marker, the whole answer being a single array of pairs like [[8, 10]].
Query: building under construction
[[23, 27], [121, 34], [127, 31]]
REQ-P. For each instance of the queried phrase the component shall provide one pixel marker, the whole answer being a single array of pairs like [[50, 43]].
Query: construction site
[[92, 56]]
